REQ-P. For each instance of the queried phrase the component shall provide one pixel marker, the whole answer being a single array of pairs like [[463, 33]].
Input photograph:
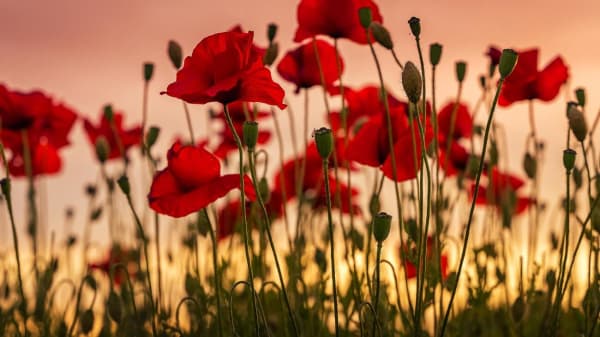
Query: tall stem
[[216, 270], [332, 245]]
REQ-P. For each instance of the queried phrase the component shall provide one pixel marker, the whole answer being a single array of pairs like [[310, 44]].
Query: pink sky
[[88, 53]]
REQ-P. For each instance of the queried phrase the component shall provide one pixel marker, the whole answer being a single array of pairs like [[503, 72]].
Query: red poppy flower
[[127, 138], [260, 51], [224, 68], [300, 66], [118, 255], [526, 82], [455, 161], [411, 269], [44, 160], [494, 54], [19, 110], [463, 123], [334, 18], [502, 193], [191, 181], [229, 217]]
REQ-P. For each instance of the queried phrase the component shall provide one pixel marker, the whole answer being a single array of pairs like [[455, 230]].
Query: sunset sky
[[89, 53]]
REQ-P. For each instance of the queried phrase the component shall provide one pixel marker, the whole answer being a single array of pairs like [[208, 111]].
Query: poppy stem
[[267, 221], [32, 227], [377, 286], [188, 120], [332, 245], [472, 209], [244, 216], [216, 270]]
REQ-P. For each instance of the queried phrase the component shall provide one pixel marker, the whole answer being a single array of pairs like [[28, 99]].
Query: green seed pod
[[580, 95], [412, 83], [124, 184], [152, 136], [382, 35], [148, 71], [461, 70], [577, 122], [508, 61], [365, 16], [175, 54], [569, 159], [271, 32], [86, 321], [324, 141], [415, 26], [382, 223], [102, 149], [435, 53], [374, 205], [114, 307], [250, 134]]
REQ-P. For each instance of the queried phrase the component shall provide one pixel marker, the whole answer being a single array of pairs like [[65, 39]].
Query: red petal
[[551, 79], [192, 166]]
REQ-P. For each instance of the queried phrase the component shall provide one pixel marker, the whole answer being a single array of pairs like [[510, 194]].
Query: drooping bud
[[529, 165], [374, 205], [102, 149], [271, 54], [152, 136], [86, 321], [508, 61], [148, 71], [435, 53], [108, 112], [324, 141], [415, 26], [5, 185], [382, 35], [250, 134], [271, 32], [114, 307], [569, 159], [365, 16], [263, 189], [461, 70], [482, 82], [411, 81], [382, 222], [175, 53], [577, 122], [124, 185], [580, 95]]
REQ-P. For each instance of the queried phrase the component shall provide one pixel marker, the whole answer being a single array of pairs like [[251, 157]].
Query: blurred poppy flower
[[191, 181], [411, 269], [127, 138], [229, 217], [334, 18], [225, 68], [502, 192], [454, 161], [526, 82], [118, 255], [494, 54], [300, 66], [44, 160], [453, 157]]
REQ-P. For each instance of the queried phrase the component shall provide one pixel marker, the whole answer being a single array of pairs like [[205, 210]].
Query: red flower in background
[[45, 159], [494, 54], [300, 66], [225, 68], [334, 18], [191, 181], [229, 217], [502, 193], [118, 255], [453, 157], [526, 82], [127, 138], [411, 269]]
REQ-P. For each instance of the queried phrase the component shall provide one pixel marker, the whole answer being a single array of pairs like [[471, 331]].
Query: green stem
[[332, 246], [216, 271], [377, 286]]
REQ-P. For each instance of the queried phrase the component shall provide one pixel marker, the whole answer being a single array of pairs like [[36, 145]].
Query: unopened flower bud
[[152, 136], [435, 53], [577, 122], [108, 112], [102, 149], [271, 32], [482, 82], [415, 26], [411, 81], [124, 185], [569, 159], [382, 35], [324, 142], [580, 95], [86, 321], [263, 189], [250, 134], [175, 53], [365, 16], [5, 185], [382, 222], [461, 70], [374, 205], [508, 61], [114, 307], [148, 71], [530, 165], [271, 54]]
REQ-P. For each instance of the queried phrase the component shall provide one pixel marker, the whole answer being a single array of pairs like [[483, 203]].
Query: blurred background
[[89, 53]]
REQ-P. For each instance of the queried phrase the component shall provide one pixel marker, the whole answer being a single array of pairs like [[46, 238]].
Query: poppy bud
[[415, 26], [482, 82], [569, 159], [5, 185], [461, 70], [324, 141], [271, 54], [102, 149], [529, 165], [374, 205], [577, 122], [381, 226], [86, 321], [435, 53], [113, 305], [91, 190], [580, 95], [148, 71], [175, 53], [124, 185], [382, 35], [365, 15], [108, 112], [508, 61], [152, 136], [250, 134], [263, 189], [411, 81], [271, 32]]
